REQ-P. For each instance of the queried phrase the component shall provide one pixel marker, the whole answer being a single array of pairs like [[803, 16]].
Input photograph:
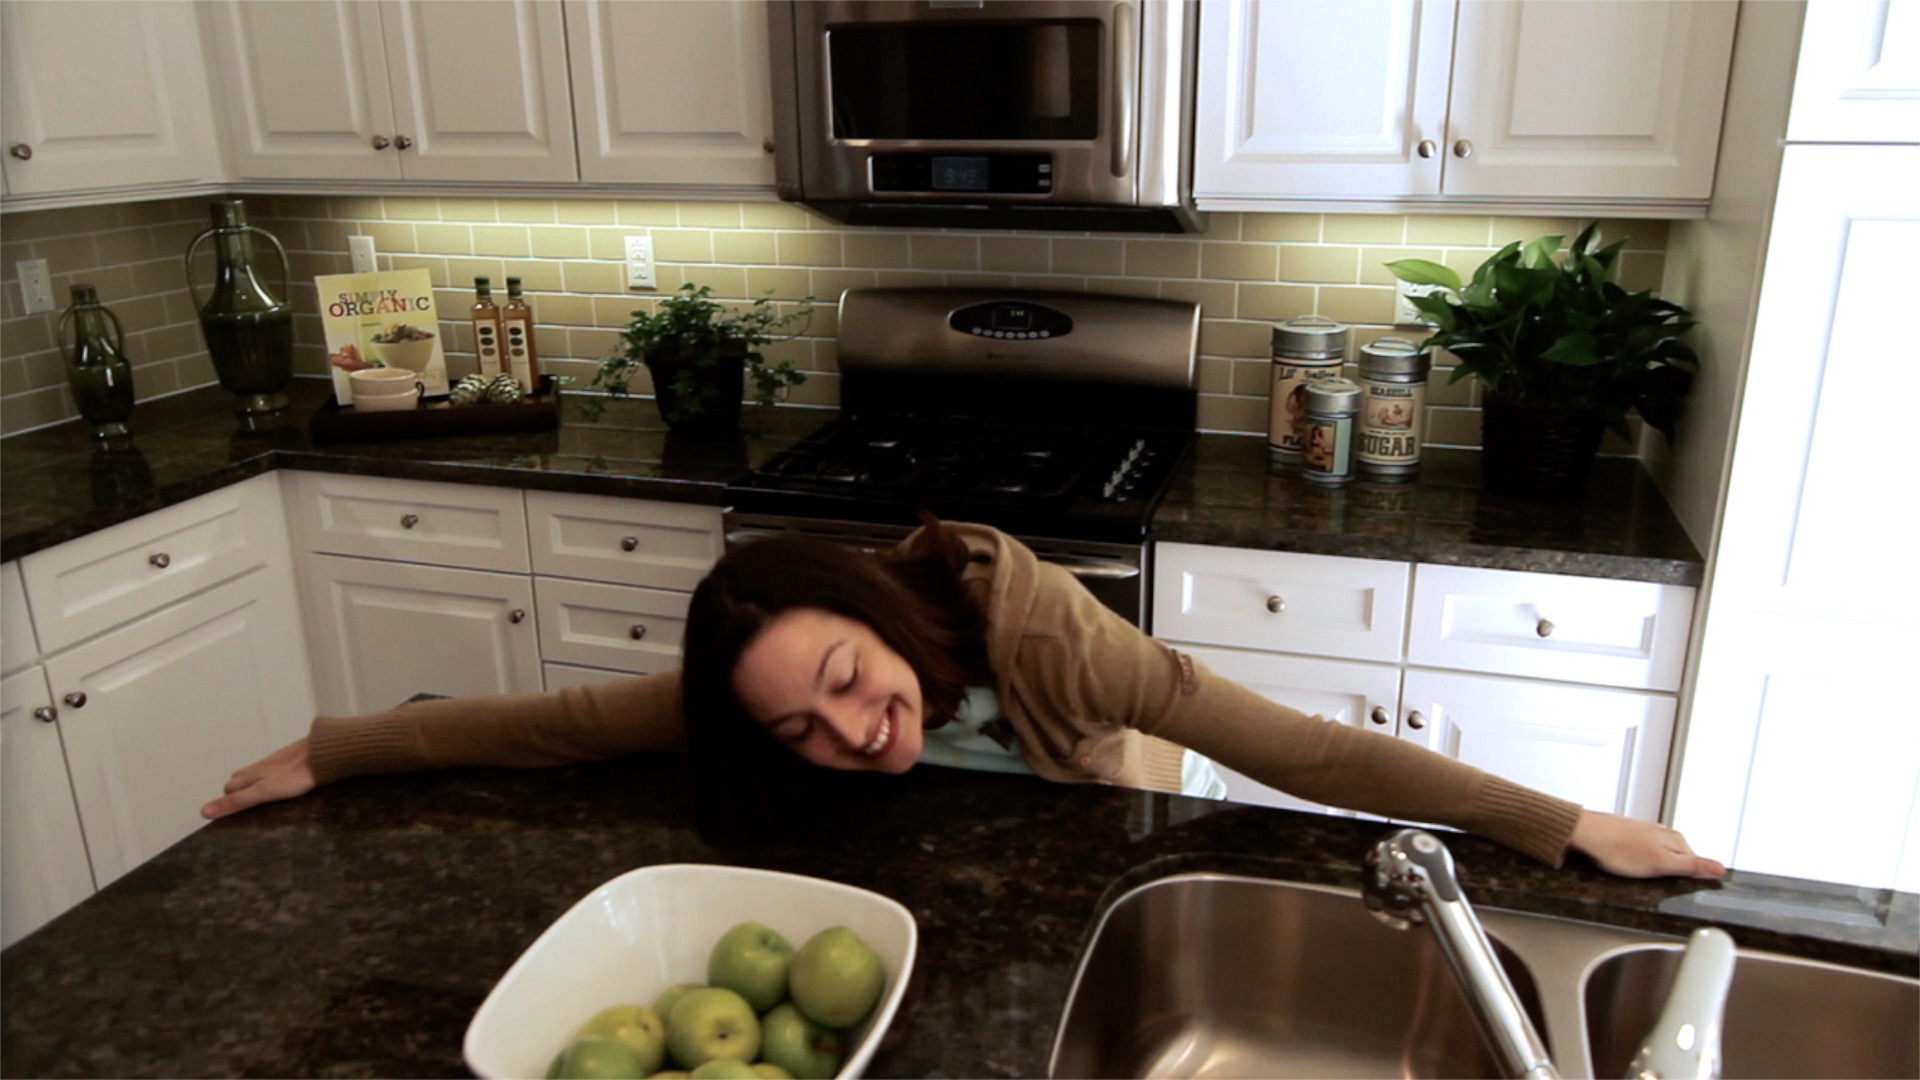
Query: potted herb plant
[[701, 354], [1563, 351]]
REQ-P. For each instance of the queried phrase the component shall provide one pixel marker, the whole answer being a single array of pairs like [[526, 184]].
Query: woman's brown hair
[[913, 599]]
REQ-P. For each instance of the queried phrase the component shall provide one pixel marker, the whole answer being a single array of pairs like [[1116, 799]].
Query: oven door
[[1114, 573], [1005, 100]]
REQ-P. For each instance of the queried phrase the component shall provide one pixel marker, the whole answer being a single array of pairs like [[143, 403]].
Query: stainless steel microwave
[[1041, 114]]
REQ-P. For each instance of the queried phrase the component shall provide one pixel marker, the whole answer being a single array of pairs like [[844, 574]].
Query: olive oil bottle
[[486, 329], [516, 325]]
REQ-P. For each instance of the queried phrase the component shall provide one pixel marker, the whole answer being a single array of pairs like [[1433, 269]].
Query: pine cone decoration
[[471, 390], [504, 390]]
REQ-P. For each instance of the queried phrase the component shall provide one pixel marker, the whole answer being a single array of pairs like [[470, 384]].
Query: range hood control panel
[[1011, 319]]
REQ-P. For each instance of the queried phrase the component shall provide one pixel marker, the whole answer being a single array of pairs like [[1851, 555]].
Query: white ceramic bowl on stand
[[647, 929]]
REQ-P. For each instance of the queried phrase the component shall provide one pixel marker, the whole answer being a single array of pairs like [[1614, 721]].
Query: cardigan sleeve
[[588, 723]]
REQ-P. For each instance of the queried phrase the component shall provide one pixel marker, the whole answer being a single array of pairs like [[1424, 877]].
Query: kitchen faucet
[[1410, 879]]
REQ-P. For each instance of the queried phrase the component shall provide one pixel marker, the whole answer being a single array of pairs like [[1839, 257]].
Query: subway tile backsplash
[[1247, 271]]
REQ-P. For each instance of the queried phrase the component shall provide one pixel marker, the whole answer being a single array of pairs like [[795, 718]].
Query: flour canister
[[1327, 430], [1393, 385], [1305, 349]]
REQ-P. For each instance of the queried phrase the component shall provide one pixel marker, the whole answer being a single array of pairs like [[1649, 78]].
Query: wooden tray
[[437, 416]]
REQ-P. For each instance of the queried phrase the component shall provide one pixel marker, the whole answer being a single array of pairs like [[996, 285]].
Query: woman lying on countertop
[[799, 650]]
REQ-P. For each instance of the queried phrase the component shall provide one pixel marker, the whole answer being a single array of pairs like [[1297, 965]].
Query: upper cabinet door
[[480, 89], [304, 83], [673, 93], [1859, 75], [103, 95], [1588, 98], [1322, 97]]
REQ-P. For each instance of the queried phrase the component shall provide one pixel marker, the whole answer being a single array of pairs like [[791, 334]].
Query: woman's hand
[[283, 774], [1634, 848]]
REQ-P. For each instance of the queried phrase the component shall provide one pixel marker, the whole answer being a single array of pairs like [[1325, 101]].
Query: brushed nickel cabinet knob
[[766, 144], [1276, 604], [160, 561], [1463, 149], [21, 151], [1544, 628], [45, 714], [1416, 720], [639, 631], [517, 615], [77, 699], [628, 543], [381, 142], [1427, 148], [1379, 715], [402, 143], [408, 521]]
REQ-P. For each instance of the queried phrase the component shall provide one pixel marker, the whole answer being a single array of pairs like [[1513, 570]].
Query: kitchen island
[[355, 931]]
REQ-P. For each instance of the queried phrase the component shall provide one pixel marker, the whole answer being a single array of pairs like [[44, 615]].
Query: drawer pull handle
[[1379, 715], [408, 521], [1416, 720], [45, 714], [628, 543], [77, 699], [639, 631], [1544, 629], [160, 561], [517, 615], [1276, 604]]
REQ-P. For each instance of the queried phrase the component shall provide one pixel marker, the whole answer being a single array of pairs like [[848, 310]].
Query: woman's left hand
[[1634, 848]]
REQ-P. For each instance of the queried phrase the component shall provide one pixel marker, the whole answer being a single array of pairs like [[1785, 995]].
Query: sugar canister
[[1327, 430], [1393, 385], [1305, 349]]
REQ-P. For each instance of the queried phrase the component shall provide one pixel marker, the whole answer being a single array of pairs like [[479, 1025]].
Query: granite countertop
[[354, 932], [1224, 493]]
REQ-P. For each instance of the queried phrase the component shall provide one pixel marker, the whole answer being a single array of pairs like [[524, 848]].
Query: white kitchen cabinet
[[18, 645], [157, 714], [172, 654], [1858, 75], [398, 90], [1590, 718], [108, 95], [385, 631], [611, 626], [673, 93], [464, 525], [1596, 105], [43, 855], [642, 542], [1601, 747]]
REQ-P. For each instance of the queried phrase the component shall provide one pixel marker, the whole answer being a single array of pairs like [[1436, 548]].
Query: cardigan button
[[1086, 760]]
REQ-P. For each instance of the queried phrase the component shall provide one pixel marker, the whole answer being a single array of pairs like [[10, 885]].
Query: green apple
[[751, 960], [725, 1069], [836, 978], [712, 1022], [637, 1026], [767, 1070], [596, 1057], [803, 1048], [663, 1005]]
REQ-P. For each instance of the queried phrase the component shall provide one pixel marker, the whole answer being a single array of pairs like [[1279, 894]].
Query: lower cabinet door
[[383, 632], [1603, 748], [43, 855], [157, 714], [1356, 694]]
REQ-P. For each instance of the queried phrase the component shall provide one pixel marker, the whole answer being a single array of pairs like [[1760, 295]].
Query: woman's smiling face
[[830, 689]]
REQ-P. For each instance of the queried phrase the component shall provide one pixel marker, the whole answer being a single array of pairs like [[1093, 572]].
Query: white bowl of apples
[[659, 928]]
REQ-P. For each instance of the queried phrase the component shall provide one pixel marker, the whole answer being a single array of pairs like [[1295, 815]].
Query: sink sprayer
[[1410, 879]]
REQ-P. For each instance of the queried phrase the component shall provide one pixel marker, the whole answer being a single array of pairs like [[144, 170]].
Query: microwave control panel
[[999, 174]]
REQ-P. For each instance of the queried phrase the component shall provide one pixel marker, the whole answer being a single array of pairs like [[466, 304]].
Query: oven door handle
[[736, 537], [1094, 569]]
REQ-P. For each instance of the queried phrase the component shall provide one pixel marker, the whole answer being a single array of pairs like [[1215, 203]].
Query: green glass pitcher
[[249, 330], [97, 367]]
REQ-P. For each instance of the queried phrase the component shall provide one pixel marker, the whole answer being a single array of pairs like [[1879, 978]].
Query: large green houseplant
[[1563, 351], [701, 354]]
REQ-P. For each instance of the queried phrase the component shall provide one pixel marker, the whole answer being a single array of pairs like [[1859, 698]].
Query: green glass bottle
[[248, 329], [97, 367]]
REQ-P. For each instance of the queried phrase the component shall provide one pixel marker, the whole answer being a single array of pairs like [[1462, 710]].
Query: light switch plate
[[1404, 313], [36, 285], [360, 252], [640, 271]]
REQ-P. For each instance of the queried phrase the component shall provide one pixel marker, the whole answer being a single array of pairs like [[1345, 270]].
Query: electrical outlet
[[36, 285], [1404, 313], [360, 252], [640, 263]]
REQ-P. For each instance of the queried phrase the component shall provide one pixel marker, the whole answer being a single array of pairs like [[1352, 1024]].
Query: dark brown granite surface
[[354, 932], [55, 486]]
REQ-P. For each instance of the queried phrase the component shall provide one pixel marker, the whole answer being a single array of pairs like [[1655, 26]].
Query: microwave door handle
[[1126, 53]]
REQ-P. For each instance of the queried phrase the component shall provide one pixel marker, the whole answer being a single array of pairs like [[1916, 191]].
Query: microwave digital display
[[960, 174]]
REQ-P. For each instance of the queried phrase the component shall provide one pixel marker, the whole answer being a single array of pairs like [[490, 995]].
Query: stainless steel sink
[[1210, 975], [1215, 975], [1785, 1017]]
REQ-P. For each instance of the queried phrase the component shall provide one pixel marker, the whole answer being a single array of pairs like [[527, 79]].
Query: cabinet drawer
[[92, 584], [459, 525], [567, 676], [628, 541], [610, 626], [1549, 626], [18, 647], [1321, 605]]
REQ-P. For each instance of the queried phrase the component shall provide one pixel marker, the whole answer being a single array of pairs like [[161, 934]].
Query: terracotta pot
[[713, 403], [1537, 452]]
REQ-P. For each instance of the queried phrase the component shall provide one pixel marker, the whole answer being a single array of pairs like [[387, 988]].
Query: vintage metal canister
[[1305, 349], [1327, 430], [1393, 384]]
